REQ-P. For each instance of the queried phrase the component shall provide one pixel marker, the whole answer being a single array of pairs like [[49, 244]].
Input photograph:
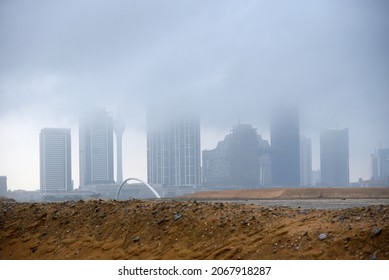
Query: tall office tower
[[285, 144], [216, 167], [96, 148], [334, 157], [241, 159], [265, 167], [173, 150], [380, 164], [374, 167], [383, 163], [3, 186], [316, 177], [55, 160], [244, 156], [119, 127], [305, 161]]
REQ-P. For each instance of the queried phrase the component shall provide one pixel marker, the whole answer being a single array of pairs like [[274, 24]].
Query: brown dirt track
[[136, 229]]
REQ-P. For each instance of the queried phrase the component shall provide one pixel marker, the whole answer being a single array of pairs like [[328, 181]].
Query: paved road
[[317, 203]]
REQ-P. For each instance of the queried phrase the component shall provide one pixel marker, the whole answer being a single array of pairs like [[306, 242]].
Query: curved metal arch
[[140, 181]]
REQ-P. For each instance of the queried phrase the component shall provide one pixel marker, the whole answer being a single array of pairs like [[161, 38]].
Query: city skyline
[[230, 60], [76, 160]]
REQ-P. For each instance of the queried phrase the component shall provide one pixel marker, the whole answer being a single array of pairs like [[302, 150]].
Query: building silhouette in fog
[[380, 165], [119, 127], [334, 157], [55, 160], [305, 161], [173, 150], [239, 160], [3, 186], [285, 145], [96, 148]]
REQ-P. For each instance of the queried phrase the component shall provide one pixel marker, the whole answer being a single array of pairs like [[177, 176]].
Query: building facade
[[334, 157], [305, 161], [216, 166], [316, 177], [383, 164], [380, 164], [119, 127], [96, 148], [241, 160], [3, 186], [55, 160], [173, 151], [285, 144]]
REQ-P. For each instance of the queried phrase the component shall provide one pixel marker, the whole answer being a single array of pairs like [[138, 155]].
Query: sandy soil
[[138, 229]]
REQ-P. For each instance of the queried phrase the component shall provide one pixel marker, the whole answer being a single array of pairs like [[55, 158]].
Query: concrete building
[[216, 167], [55, 160], [240, 160], [3, 186], [383, 163], [334, 157], [96, 148], [30, 196], [265, 176], [380, 164], [119, 127], [305, 161], [285, 144], [173, 150], [244, 152], [316, 177], [374, 167]]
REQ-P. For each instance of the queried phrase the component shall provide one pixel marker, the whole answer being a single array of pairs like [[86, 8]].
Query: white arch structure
[[140, 181]]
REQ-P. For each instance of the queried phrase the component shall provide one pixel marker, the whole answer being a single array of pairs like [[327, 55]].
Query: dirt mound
[[2, 198], [294, 193], [189, 230]]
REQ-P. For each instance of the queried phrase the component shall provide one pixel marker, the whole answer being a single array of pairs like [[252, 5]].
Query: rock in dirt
[[377, 231], [322, 236], [177, 216]]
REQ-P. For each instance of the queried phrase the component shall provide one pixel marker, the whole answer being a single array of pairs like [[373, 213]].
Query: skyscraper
[[173, 150], [334, 157], [96, 148], [55, 160], [241, 159], [3, 186], [285, 145], [119, 127], [305, 161], [244, 154], [380, 164]]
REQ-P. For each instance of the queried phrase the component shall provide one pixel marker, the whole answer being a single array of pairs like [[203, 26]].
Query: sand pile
[[189, 230]]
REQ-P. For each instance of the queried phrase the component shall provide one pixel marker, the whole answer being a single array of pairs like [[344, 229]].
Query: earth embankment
[[136, 229]]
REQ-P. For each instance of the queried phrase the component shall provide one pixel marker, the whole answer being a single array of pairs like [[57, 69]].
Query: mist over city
[[226, 61], [194, 130]]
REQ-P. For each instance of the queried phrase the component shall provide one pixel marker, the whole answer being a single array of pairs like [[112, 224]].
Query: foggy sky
[[233, 59]]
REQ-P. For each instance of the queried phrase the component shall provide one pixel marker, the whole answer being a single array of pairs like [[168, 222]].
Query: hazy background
[[232, 59]]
